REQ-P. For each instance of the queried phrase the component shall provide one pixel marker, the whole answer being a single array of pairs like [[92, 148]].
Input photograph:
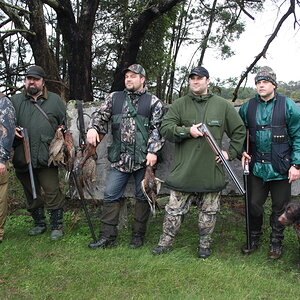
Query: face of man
[[265, 89], [199, 85], [134, 82], [34, 86]]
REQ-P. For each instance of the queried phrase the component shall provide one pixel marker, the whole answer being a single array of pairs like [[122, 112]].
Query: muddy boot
[[56, 222], [39, 219], [254, 237], [141, 216], [109, 231]]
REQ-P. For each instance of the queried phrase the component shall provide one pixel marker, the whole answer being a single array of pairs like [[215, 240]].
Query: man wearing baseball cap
[[273, 123], [136, 117], [197, 172], [41, 112]]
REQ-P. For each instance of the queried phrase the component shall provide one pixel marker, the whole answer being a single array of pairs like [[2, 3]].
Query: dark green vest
[[280, 155], [138, 151]]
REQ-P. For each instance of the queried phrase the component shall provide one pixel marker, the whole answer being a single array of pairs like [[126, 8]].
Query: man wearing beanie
[[274, 156], [197, 173]]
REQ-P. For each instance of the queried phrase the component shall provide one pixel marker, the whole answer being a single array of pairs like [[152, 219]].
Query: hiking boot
[[103, 243], [204, 252], [37, 230], [56, 234], [161, 250], [275, 251], [136, 241]]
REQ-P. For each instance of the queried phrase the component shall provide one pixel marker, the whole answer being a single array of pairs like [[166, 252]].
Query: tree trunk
[[137, 32]]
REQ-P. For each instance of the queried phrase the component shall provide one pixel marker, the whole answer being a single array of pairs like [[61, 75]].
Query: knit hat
[[266, 73]]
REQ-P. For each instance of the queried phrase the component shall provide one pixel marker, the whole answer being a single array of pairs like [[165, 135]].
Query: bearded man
[[40, 112]]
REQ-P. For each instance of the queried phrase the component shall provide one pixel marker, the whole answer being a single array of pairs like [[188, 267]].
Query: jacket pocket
[[215, 126], [281, 158], [43, 153]]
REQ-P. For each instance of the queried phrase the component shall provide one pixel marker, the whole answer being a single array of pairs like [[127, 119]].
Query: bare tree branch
[[290, 11]]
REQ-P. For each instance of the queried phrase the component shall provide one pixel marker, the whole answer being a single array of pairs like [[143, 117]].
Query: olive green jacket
[[40, 131], [194, 168]]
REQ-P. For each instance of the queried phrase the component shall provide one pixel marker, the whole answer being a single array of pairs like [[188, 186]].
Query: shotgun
[[24, 134], [215, 147], [246, 196]]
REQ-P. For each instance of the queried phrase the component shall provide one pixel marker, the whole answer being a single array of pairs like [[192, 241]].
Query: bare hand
[[245, 157], [195, 132], [218, 159], [18, 132], [92, 137], [151, 159], [294, 174], [2, 169]]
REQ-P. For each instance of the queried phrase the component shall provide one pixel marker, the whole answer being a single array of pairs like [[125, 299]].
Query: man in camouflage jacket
[[136, 117], [7, 132]]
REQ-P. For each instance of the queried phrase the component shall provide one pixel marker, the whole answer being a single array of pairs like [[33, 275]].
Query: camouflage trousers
[[3, 202], [179, 204]]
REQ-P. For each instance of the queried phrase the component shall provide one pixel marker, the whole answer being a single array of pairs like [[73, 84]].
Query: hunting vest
[[280, 153], [138, 150]]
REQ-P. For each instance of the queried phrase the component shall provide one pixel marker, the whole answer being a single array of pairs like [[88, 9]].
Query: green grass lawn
[[38, 268]]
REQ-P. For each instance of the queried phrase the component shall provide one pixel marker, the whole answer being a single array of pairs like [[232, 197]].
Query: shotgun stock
[[24, 134]]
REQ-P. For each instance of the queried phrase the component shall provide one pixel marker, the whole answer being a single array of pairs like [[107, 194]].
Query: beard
[[33, 90]]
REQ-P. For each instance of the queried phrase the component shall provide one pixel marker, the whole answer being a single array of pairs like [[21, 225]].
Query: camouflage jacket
[[7, 128], [128, 128]]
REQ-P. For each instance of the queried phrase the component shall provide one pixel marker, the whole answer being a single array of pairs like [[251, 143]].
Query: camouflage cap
[[35, 72], [136, 68], [266, 73]]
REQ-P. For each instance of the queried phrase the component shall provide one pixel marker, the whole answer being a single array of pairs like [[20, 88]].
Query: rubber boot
[[254, 237], [141, 216], [39, 219], [276, 238], [56, 222], [109, 231]]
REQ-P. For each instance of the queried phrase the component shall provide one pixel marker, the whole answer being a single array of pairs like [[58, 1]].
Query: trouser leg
[[3, 202], [281, 195], [258, 193], [209, 205], [178, 206]]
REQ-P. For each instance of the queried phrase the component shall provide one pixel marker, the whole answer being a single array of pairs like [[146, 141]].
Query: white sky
[[283, 55]]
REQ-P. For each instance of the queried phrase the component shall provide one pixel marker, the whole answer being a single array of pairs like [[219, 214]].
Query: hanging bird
[[85, 167], [69, 150], [150, 187], [56, 149]]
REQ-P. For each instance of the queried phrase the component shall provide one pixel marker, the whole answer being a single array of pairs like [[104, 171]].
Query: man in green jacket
[[196, 171], [41, 129], [273, 121]]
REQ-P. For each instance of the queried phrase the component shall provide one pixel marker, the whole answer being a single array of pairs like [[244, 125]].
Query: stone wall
[[164, 167]]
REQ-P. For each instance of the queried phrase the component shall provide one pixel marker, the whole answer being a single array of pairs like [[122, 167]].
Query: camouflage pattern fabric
[[128, 128], [179, 204]]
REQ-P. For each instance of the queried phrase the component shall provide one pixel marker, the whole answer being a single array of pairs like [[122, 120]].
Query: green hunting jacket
[[39, 129], [194, 168]]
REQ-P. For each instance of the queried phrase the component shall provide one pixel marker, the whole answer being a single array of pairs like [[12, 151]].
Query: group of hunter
[[264, 134]]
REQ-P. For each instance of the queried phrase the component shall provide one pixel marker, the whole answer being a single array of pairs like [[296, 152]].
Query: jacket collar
[[200, 98]]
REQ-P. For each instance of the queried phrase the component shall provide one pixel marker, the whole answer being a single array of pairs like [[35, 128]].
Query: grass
[[37, 268]]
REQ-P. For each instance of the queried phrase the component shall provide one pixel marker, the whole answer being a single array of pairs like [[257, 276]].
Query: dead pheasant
[[85, 167], [150, 187], [56, 149], [69, 150]]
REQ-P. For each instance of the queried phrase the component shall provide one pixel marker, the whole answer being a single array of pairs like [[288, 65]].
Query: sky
[[283, 55]]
